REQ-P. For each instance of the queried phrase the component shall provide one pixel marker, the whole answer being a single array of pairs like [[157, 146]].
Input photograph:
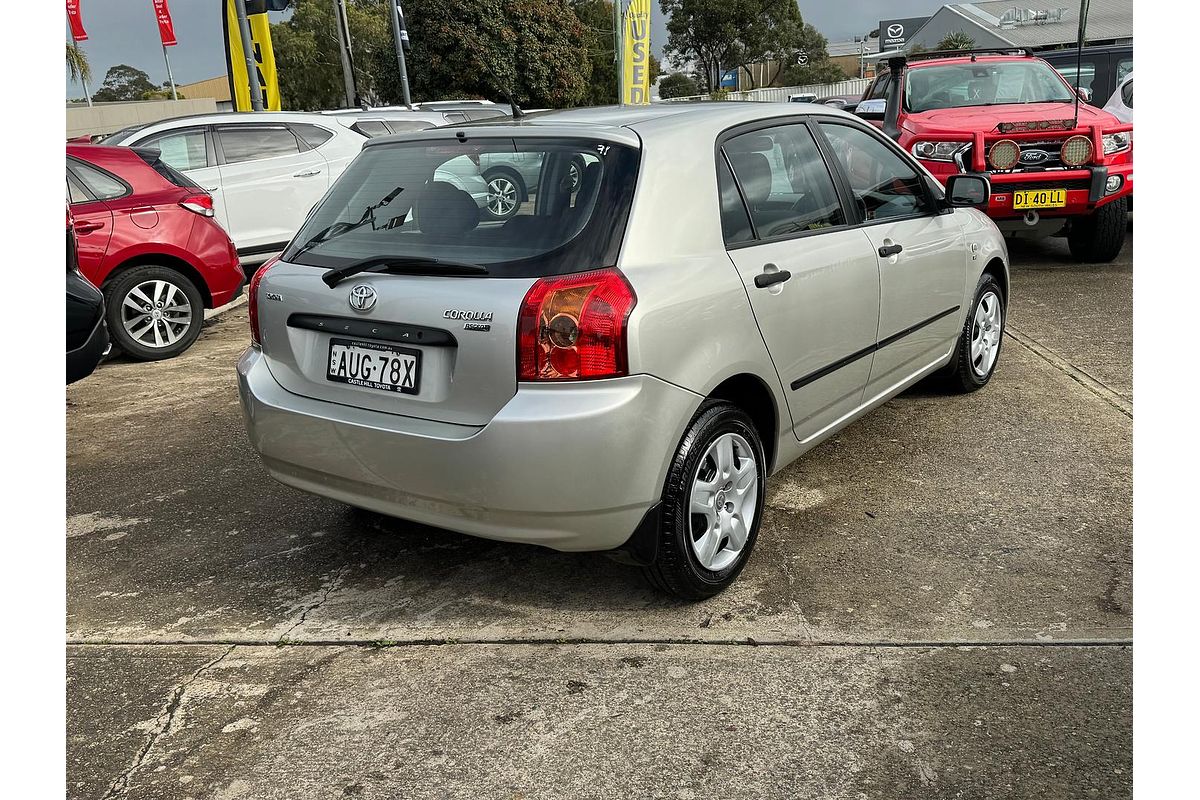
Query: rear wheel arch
[[162, 260], [752, 395]]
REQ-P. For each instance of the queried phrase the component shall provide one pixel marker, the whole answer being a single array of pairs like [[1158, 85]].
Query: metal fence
[[780, 94]]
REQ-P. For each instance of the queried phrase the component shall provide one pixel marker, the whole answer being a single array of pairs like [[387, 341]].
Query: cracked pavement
[[939, 605]]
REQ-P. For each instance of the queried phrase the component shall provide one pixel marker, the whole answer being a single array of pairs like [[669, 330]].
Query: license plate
[[1040, 198], [375, 366]]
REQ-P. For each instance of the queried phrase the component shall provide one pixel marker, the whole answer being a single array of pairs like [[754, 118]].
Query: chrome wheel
[[986, 333], [574, 176], [503, 196], [723, 501], [156, 313]]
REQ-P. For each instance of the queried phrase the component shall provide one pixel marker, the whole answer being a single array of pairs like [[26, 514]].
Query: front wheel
[[1099, 237], [712, 504], [978, 347], [504, 195], [153, 312]]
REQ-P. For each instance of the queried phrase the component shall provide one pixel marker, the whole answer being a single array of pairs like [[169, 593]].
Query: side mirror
[[871, 109], [1084, 94], [968, 190]]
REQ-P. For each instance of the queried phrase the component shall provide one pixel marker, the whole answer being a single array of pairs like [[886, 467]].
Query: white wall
[[110, 117]]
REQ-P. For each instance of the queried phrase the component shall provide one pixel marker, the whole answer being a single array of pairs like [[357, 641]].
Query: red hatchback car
[[146, 236]]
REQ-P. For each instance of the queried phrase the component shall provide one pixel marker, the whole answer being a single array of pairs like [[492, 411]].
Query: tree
[[123, 82], [163, 93], [772, 31], [818, 68], [678, 85], [77, 64], [597, 19], [705, 32], [536, 51], [956, 40]]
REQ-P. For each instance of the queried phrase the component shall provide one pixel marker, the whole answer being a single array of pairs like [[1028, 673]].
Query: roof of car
[[243, 117], [713, 116]]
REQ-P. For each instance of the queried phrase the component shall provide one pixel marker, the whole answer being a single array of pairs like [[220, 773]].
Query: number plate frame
[[1028, 198], [378, 347]]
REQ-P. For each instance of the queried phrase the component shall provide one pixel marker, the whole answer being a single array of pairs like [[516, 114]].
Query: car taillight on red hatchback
[[201, 204], [252, 301], [573, 327]]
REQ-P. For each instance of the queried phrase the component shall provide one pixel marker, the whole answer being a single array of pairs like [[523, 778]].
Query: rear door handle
[[213, 190], [308, 174], [88, 227], [765, 279], [889, 250]]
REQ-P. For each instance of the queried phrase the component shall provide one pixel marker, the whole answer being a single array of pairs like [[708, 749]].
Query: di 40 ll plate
[[1039, 198], [374, 365]]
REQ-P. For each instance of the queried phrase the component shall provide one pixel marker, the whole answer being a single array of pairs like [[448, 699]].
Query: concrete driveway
[[938, 606]]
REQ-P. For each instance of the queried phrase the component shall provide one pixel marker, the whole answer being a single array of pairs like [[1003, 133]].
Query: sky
[[124, 32]]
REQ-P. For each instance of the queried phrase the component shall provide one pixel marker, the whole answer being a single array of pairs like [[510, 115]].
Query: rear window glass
[[431, 199], [181, 149], [371, 128]]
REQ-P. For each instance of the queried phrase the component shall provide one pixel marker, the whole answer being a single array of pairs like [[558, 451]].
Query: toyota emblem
[[362, 297], [895, 30]]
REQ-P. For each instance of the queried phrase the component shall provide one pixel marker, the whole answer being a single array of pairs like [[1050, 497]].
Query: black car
[[1101, 68], [87, 334]]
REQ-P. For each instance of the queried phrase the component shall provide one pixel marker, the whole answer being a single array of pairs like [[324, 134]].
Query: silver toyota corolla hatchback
[[620, 364]]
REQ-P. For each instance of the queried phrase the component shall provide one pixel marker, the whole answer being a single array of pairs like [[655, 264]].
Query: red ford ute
[[146, 236], [1056, 165]]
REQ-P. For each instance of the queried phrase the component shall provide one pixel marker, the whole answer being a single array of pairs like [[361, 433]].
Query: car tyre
[[142, 335], [698, 554], [506, 192], [978, 349], [1099, 237]]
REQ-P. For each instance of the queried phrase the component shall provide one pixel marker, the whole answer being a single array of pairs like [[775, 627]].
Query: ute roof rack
[[928, 55]]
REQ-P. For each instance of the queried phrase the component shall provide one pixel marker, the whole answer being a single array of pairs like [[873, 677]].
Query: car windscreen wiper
[[413, 265], [368, 215]]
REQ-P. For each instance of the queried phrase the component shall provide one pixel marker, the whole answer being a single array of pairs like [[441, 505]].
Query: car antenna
[[1083, 12], [517, 113]]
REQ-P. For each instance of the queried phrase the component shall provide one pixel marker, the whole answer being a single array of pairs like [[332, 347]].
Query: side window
[[78, 195], [1127, 94], [785, 181], [183, 150], [398, 126], [1086, 73], [882, 87], [250, 144], [313, 135], [1124, 67], [371, 128], [735, 222], [102, 185], [883, 183]]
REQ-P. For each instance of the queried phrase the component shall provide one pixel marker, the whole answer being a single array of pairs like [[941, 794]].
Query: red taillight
[[252, 301], [201, 204], [573, 327]]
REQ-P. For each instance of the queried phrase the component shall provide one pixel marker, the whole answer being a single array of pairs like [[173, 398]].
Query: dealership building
[[1003, 24]]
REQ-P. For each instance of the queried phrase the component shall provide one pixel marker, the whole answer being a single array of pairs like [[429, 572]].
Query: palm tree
[[78, 67], [957, 40]]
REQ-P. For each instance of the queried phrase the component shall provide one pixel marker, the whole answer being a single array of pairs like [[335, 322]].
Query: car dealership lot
[[938, 605]]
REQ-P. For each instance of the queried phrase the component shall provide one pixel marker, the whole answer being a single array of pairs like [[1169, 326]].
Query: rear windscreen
[[520, 207]]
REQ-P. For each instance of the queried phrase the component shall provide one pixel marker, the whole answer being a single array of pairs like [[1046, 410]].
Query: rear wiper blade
[[416, 265]]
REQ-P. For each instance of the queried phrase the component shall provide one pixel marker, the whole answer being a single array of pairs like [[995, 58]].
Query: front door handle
[[765, 279], [889, 250], [308, 174], [87, 227]]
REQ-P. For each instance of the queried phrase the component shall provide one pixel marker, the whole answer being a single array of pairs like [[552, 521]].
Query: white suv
[[265, 171]]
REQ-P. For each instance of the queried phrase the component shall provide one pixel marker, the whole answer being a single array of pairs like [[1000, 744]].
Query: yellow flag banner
[[266, 80], [636, 83]]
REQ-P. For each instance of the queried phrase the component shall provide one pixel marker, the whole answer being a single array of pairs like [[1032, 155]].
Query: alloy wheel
[[503, 197], [723, 501], [986, 333], [156, 313]]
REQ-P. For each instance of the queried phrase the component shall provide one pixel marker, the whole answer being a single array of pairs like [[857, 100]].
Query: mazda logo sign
[[895, 30], [362, 297]]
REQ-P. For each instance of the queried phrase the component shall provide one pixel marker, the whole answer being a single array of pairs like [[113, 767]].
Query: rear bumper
[[571, 467], [82, 361]]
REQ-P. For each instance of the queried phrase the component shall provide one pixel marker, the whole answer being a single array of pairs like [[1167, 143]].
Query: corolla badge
[[1034, 156], [362, 297]]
